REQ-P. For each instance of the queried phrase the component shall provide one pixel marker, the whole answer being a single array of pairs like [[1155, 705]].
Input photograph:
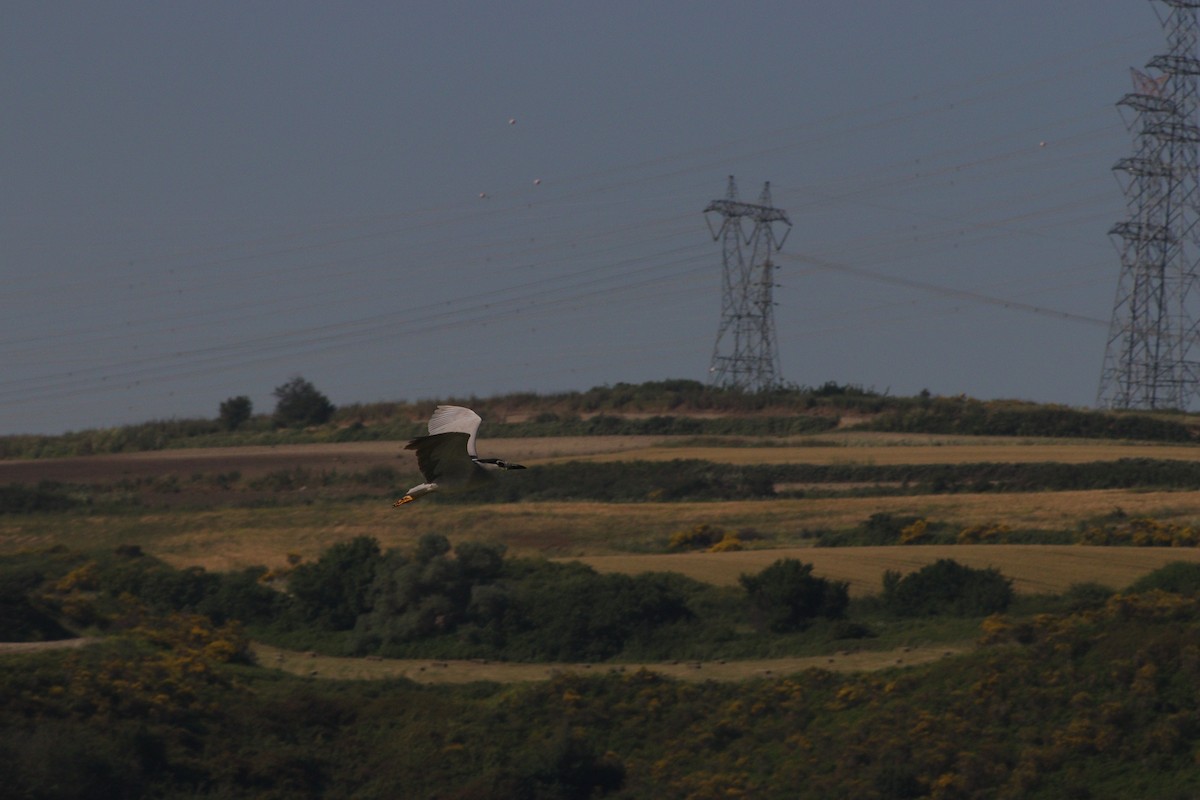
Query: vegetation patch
[[1093, 702], [674, 407]]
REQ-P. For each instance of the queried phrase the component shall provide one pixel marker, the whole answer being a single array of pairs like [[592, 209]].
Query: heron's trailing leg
[[414, 493]]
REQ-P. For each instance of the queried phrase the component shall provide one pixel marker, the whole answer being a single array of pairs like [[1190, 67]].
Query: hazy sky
[[203, 199]]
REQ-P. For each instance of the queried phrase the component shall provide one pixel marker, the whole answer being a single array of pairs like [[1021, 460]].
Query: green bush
[[1178, 577], [569, 612], [946, 587], [473, 601], [18, 499], [334, 590], [430, 592], [22, 617], [789, 596]]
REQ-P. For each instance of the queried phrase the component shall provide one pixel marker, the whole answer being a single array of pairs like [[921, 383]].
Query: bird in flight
[[447, 457]]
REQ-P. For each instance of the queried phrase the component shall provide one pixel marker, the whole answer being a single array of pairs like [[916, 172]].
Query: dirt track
[[432, 671], [56, 644]]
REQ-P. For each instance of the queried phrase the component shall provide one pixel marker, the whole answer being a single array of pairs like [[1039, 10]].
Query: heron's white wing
[[442, 459], [456, 419]]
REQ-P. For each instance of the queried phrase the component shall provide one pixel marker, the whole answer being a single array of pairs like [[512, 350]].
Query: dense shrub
[[881, 528], [1141, 532], [17, 499], [568, 612], [528, 610], [160, 588], [1179, 577], [789, 596], [242, 596], [332, 591], [946, 587], [697, 537], [964, 415], [429, 592], [1095, 704], [22, 617]]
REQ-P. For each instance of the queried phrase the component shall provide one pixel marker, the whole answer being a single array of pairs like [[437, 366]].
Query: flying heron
[[447, 457]]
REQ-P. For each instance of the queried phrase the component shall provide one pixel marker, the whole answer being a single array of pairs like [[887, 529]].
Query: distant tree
[[299, 404], [235, 411], [789, 595]]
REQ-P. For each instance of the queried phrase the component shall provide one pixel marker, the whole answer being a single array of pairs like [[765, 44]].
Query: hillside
[[672, 407], [260, 619]]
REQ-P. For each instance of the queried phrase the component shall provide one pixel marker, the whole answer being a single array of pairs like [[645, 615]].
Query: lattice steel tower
[[1153, 341], [746, 354]]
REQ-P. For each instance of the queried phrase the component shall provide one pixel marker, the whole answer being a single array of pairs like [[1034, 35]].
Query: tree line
[[473, 601]]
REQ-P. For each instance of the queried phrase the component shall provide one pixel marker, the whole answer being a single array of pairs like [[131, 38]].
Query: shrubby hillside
[[1092, 697], [471, 601], [670, 407]]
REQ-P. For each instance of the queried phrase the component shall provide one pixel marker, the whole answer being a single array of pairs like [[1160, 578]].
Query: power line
[[945, 291]]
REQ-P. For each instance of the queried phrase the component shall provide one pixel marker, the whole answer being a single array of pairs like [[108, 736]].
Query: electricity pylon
[[746, 353], [1150, 361]]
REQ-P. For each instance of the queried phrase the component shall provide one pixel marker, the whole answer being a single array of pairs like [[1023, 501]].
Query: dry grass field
[[618, 536], [230, 538], [629, 538], [828, 448], [1035, 569]]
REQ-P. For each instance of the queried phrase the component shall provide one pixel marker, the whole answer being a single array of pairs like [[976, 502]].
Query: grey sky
[[201, 200]]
